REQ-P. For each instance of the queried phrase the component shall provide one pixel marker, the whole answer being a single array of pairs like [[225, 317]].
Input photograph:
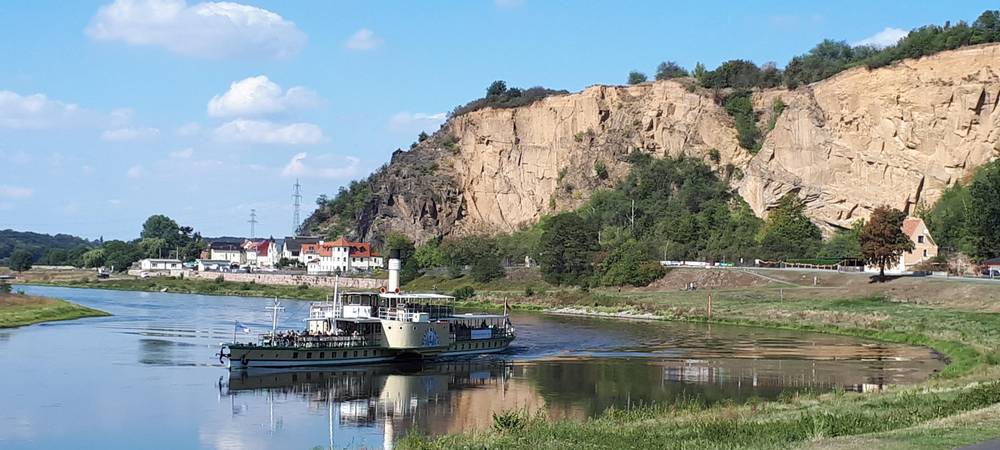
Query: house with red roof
[[262, 253], [924, 247], [339, 256]]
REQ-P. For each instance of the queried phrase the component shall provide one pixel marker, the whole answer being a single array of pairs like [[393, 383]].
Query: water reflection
[[152, 380]]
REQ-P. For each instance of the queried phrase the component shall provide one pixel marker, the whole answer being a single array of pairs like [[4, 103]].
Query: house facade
[[150, 264], [339, 256], [292, 247], [260, 253], [924, 247], [227, 251]]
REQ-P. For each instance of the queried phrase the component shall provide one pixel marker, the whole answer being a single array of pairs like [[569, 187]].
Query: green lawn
[[18, 310], [952, 404]]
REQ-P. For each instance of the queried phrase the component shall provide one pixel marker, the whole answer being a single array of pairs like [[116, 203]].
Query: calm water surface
[[147, 378]]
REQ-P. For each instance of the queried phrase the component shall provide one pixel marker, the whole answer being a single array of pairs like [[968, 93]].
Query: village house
[[227, 251], [260, 253], [924, 247], [292, 247], [339, 256], [157, 267]]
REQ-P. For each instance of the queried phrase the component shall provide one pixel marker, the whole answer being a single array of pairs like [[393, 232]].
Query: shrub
[[4, 288], [714, 155], [601, 170], [220, 279], [528, 291], [464, 293], [740, 106], [303, 286], [669, 69], [636, 77]]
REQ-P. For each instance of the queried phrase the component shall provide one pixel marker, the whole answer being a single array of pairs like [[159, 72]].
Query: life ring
[[223, 355], [381, 290]]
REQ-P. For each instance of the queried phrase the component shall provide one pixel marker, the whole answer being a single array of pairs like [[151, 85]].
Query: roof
[[911, 225], [224, 245], [214, 261], [416, 296], [167, 260], [294, 243]]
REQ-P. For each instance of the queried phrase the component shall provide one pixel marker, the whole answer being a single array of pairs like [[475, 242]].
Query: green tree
[[120, 255], [93, 258], [153, 247], [627, 265], [54, 257], [984, 213], [600, 170], [496, 89], [788, 233], [883, 240], [669, 69], [949, 221], [410, 269], [429, 255], [567, 248], [844, 244], [486, 268], [636, 77], [739, 105], [20, 260]]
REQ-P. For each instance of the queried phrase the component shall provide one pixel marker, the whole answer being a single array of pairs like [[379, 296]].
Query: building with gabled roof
[[924, 247], [340, 255]]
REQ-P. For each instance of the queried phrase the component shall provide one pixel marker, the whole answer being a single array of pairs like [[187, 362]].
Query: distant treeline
[[831, 57], [46, 249]]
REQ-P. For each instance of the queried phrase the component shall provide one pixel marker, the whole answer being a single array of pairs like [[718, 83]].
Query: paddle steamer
[[369, 327]]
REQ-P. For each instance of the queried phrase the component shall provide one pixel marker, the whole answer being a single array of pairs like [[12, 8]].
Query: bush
[[601, 170], [636, 77], [507, 98], [464, 293], [713, 154], [739, 105], [4, 288], [486, 268], [303, 286], [669, 69], [528, 291], [220, 279]]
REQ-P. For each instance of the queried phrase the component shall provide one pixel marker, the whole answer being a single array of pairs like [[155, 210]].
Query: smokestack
[[393, 270]]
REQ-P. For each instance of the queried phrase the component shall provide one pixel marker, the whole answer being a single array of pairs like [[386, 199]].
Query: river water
[[147, 377]]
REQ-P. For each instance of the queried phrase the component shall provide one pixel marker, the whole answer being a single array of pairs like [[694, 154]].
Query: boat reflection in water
[[445, 397]]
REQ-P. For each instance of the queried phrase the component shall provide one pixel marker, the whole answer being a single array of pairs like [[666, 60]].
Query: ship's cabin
[[415, 307], [479, 326]]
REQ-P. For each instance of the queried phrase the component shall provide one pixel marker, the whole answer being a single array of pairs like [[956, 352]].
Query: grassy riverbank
[[18, 310], [958, 406], [196, 286]]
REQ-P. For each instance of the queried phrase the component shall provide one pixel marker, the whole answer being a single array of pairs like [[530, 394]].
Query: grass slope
[[18, 310]]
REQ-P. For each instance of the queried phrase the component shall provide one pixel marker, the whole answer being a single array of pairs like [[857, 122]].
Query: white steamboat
[[367, 327]]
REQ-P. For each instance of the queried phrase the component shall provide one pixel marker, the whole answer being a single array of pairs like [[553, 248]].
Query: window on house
[[925, 253], [920, 240]]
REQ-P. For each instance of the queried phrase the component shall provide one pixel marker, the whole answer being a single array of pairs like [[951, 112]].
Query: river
[[147, 376]]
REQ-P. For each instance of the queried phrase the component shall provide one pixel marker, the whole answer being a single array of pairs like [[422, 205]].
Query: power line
[[253, 223], [297, 198]]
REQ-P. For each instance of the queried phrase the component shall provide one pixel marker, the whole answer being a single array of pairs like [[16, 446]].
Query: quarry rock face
[[897, 135]]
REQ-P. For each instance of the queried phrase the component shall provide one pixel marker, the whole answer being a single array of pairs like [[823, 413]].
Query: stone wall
[[293, 280]]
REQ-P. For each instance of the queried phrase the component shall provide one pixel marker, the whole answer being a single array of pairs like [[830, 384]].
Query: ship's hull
[[248, 356]]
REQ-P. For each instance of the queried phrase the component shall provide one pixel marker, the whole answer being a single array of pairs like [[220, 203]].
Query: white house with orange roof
[[340, 255], [262, 253], [924, 247]]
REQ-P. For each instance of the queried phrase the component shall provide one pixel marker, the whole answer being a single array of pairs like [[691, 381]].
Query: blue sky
[[111, 111]]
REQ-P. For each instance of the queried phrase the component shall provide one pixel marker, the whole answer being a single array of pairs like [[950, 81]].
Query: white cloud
[[265, 132], [186, 153], [129, 134], [205, 30], [324, 166], [189, 129], [406, 122], [885, 38], [15, 192], [259, 95], [36, 112], [135, 171], [363, 39]]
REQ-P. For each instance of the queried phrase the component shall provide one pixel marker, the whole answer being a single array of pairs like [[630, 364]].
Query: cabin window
[[275, 355], [345, 355], [366, 352], [322, 355], [295, 355], [355, 353], [309, 355]]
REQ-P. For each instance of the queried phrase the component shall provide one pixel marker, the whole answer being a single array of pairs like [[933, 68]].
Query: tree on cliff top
[[669, 69], [883, 240], [636, 77]]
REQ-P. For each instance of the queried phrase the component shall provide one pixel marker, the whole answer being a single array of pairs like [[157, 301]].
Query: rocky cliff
[[897, 135]]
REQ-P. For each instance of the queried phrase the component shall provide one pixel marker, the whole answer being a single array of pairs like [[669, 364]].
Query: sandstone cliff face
[[897, 135]]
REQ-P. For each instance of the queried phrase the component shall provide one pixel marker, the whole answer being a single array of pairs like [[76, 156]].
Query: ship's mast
[[274, 315]]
